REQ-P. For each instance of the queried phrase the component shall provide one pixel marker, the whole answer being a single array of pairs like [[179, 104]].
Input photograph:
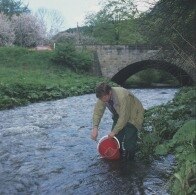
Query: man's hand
[[111, 135], [94, 133]]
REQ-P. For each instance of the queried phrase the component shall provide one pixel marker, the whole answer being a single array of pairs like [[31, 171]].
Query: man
[[128, 114]]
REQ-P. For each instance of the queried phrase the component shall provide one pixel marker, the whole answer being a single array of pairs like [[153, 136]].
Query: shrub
[[67, 55], [170, 128], [83, 61]]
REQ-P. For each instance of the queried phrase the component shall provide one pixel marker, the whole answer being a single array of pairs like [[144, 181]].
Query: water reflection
[[45, 148]]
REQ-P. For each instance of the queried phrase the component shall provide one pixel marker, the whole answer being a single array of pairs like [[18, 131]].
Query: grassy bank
[[30, 76], [171, 129]]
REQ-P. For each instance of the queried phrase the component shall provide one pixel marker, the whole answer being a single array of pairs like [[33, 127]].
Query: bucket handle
[[106, 137]]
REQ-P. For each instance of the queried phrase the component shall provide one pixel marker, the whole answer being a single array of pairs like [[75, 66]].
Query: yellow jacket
[[128, 107]]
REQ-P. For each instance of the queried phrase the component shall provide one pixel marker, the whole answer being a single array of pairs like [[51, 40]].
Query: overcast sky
[[73, 11]]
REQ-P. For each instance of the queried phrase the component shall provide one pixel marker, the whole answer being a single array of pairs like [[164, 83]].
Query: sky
[[73, 11]]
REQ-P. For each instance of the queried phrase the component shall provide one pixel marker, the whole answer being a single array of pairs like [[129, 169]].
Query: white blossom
[[28, 30], [7, 35]]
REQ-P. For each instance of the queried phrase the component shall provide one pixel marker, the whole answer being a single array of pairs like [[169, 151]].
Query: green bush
[[171, 128], [83, 61], [66, 55], [183, 146]]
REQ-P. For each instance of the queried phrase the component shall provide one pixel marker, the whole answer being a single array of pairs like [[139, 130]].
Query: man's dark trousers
[[128, 135]]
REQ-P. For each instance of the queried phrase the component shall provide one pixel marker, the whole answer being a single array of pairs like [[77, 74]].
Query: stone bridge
[[119, 62]]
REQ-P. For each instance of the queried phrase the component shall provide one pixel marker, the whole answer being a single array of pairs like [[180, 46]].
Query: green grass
[[30, 76]]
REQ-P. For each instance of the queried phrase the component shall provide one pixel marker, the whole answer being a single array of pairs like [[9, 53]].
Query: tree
[[28, 30], [52, 19], [115, 23], [7, 35], [172, 23], [71, 36], [13, 7]]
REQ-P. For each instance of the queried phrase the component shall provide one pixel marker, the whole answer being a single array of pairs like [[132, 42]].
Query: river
[[45, 148]]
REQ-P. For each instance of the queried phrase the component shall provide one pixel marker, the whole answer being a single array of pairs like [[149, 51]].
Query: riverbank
[[55, 87], [170, 129], [31, 76], [28, 76]]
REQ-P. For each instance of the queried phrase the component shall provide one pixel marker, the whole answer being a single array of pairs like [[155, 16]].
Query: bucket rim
[[106, 136]]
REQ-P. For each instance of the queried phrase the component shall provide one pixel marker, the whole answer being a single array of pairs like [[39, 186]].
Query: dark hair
[[102, 89]]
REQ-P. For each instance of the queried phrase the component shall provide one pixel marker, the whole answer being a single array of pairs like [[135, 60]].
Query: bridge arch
[[181, 75]]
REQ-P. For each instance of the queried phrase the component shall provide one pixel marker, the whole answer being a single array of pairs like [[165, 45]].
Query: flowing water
[[45, 148]]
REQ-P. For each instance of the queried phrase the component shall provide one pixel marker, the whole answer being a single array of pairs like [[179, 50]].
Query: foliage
[[164, 24], [71, 38], [17, 94], [183, 145], [22, 30], [165, 120], [13, 7], [83, 61], [171, 23], [64, 54], [30, 76], [28, 30], [171, 128], [115, 24], [151, 77], [7, 35], [67, 56], [75, 36]]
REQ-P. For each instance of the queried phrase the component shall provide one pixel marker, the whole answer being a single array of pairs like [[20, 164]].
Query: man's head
[[103, 92]]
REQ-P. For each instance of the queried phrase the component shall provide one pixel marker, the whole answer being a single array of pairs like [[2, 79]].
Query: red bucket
[[109, 148]]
